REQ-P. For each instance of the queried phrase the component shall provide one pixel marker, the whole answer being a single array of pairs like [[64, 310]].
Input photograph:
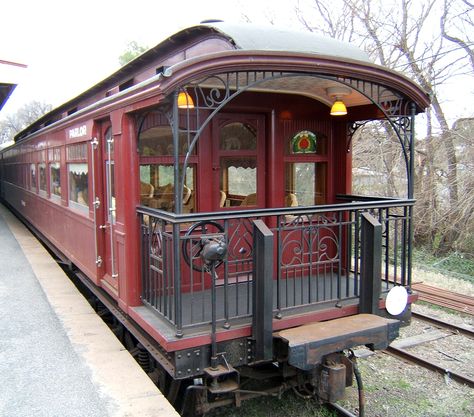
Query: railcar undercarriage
[[314, 360]]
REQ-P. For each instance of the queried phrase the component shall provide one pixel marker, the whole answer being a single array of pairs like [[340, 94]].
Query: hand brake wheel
[[205, 248]]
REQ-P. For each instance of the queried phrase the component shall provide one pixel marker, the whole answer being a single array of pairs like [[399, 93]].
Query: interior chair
[[291, 200], [223, 198], [250, 200], [146, 193]]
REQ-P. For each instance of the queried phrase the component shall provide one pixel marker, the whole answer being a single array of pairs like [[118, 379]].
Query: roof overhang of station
[[10, 73]]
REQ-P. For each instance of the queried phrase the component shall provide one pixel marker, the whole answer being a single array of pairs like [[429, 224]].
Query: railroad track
[[444, 298], [464, 330], [340, 411], [418, 360]]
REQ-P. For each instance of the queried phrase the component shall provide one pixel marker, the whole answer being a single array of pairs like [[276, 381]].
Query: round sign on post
[[396, 301]]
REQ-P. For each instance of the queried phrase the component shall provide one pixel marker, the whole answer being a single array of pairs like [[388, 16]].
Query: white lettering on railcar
[[78, 132]]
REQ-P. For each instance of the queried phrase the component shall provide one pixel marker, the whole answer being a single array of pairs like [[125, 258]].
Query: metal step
[[308, 344]]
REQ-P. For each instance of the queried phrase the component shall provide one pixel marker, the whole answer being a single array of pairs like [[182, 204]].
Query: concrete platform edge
[[114, 370]]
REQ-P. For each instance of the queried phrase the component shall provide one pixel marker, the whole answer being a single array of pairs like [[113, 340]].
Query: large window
[[78, 184], [155, 146], [156, 137]]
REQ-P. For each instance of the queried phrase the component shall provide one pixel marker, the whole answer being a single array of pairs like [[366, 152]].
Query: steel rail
[[465, 331], [340, 411], [456, 376], [445, 298]]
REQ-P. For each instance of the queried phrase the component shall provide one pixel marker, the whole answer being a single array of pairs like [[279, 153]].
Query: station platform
[[57, 357]]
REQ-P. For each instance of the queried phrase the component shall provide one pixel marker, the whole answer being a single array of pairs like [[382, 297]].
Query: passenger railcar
[[204, 190]]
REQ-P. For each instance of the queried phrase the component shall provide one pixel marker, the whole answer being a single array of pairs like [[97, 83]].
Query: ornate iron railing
[[316, 258]]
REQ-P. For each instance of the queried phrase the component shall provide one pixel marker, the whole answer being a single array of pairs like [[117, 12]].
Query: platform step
[[308, 344]]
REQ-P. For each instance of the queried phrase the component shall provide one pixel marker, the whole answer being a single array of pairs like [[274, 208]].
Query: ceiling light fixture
[[338, 108], [185, 101]]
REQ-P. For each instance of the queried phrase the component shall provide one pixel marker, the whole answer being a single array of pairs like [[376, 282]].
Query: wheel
[[193, 246]]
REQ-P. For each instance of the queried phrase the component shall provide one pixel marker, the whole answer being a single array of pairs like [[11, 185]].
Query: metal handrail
[[365, 203]]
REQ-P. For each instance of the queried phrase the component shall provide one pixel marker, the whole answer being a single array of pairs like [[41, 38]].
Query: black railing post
[[177, 281], [371, 264], [262, 327]]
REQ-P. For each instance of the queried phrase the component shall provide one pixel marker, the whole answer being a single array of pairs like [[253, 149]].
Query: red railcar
[[203, 191]]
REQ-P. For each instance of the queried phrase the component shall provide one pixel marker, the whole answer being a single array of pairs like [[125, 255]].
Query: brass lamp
[[185, 101], [338, 108]]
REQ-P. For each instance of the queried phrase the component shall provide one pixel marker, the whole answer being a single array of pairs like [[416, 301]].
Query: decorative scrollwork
[[310, 241], [241, 240], [212, 91]]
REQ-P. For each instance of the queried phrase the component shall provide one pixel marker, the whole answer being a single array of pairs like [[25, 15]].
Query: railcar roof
[[271, 38], [238, 36], [234, 37]]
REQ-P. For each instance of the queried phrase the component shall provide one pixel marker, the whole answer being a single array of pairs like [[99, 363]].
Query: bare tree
[[457, 26], [403, 35], [27, 114]]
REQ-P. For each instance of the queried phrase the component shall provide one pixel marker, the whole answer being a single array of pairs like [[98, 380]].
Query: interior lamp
[[185, 101], [338, 108]]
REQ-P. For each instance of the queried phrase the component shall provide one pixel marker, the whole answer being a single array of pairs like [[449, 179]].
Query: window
[[239, 178], [110, 176], [238, 136], [306, 142], [33, 177], [306, 169], [305, 183], [156, 137], [78, 185], [157, 187], [55, 179], [43, 181], [78, 176], [238, 163], [156, 150]]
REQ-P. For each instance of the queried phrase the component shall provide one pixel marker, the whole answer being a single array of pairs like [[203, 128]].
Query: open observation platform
[[58, 358]]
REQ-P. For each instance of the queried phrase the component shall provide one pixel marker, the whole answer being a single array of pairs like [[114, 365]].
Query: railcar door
[[108, 165], [238, 164], [105, 205], [238, 161]]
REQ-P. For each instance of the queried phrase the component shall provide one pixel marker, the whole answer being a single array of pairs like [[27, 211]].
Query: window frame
[[306, 158], [78, 154]]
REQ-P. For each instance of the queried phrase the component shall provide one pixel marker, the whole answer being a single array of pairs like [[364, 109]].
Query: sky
[[69, 46]]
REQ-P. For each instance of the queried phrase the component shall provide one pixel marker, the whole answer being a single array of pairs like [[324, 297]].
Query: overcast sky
[[71, 45]]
